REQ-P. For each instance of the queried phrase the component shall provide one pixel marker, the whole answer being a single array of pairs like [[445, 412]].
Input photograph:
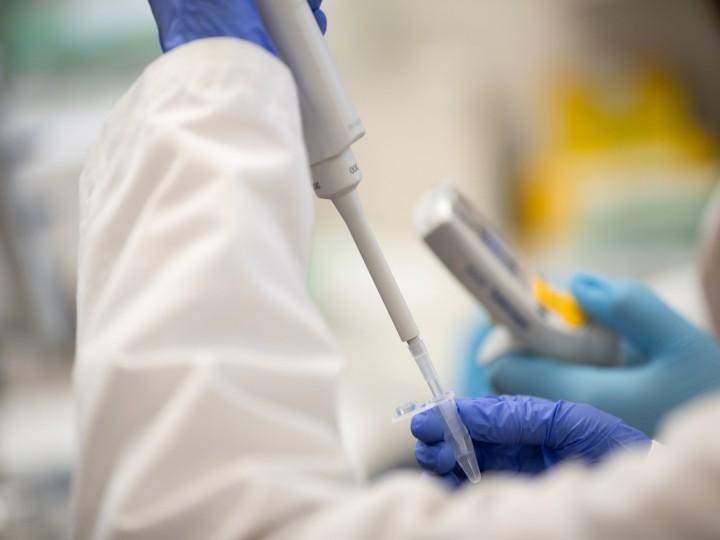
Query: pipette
[[331, 126], [530, 313]]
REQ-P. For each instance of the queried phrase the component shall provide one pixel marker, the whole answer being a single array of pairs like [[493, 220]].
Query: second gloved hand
[[182, 21], [520, 434], [677, 360]]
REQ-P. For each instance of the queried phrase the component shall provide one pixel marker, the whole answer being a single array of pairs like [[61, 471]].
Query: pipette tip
[[468, 463]]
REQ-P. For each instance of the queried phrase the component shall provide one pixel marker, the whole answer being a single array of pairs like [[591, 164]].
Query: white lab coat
[[206, 379]]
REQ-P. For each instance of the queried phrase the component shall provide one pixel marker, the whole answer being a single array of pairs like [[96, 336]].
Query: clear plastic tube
[[456, 434]]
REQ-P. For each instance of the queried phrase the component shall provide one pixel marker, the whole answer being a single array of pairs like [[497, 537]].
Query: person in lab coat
[[205, 377]]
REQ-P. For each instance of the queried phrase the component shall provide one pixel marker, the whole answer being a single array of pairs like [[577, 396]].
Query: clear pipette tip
[[458, 437], [470, 467], [456, 434]]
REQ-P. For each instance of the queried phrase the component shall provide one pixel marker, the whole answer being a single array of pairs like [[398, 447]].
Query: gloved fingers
[[499, 420], [582, 431], [182, 21], [437, 458], [321, 20], [157, 11], [531, 460], [496, 457], [633, 358], [625, 392], [507, 420], [452, 480], [320, 16], [632, 311], [427, 426], [551, 379], [523, 427], [511, 458], [627, 437]]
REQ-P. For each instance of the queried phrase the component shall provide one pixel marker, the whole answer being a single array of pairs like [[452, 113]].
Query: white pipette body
[[349, 207], [331, 126]]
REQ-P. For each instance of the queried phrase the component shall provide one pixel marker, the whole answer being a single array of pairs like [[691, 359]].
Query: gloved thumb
[[632, 311]]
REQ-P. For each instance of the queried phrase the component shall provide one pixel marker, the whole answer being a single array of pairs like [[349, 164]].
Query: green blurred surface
[[50, 38]]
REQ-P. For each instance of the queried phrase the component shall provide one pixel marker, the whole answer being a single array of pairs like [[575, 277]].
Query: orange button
[[559, 302]]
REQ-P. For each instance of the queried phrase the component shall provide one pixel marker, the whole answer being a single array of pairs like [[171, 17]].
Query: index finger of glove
[[427, 426]]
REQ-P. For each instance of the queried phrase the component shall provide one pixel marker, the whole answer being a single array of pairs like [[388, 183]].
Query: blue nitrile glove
[[520, 434], [677, 361], [182, 21]]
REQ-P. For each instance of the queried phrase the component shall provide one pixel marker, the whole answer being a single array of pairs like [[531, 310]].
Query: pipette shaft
[[350, 208], [456, 434], [422, 359]]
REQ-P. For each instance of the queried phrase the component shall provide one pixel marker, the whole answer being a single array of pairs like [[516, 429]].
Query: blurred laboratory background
[[587, 130]]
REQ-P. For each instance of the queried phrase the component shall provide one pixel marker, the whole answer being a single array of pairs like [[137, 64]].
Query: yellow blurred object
[[560, 303], [647, 110], [606, 142]]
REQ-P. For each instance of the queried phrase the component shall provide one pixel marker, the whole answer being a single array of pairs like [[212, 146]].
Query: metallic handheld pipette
[[331, 126]]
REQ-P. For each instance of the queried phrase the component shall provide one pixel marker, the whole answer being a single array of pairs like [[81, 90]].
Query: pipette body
[[331, 126]]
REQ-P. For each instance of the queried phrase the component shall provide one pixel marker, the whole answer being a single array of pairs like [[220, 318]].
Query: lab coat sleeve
[[205, 378]]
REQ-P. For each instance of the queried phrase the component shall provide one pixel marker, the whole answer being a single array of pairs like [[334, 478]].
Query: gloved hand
[[522, 434], [677, 360], [183, 21]]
